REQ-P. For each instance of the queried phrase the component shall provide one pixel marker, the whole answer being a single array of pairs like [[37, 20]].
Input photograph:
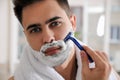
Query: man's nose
[[48, 36]]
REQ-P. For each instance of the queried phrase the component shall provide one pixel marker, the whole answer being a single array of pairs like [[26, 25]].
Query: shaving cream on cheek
[[58, 58]]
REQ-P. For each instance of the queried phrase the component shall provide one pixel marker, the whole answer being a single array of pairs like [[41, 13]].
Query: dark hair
[[20, 4]]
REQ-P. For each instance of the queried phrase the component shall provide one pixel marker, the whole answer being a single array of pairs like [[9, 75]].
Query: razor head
[[68, 37], [77, 43]]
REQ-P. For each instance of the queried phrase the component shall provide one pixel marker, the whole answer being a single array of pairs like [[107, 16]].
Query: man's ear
[[73, 22]]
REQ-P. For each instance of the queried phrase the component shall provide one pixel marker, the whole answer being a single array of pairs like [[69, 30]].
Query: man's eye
[[54, 24], [34, 30]]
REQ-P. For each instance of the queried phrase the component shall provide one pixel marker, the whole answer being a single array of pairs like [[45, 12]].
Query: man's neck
[[69, 68]]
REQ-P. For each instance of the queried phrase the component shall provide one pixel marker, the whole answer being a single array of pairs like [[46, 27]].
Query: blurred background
[[98, 25]]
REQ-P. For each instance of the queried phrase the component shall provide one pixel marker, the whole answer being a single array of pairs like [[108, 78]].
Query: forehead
[[41, 11]]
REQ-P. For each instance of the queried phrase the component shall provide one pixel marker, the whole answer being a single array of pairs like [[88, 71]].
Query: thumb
[[85, 62]]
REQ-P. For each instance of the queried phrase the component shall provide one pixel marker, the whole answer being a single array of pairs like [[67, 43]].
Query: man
[[46, 56]]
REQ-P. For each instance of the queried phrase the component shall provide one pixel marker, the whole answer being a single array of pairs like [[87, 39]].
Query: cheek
[[61, 34], [35, 43], [63, 31]]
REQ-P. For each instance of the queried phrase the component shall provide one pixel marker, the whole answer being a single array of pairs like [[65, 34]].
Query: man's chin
[[54, 60]]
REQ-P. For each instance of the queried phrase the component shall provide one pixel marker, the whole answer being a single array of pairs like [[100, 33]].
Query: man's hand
[[102, 67]]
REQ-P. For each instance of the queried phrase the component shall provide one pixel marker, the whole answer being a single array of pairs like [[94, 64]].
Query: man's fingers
[[96, 58], [106, 56], [85, 62], [103, 55]]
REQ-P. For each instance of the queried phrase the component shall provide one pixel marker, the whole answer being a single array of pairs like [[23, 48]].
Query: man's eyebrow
[[46, 22], [52, 19], [33, 25]]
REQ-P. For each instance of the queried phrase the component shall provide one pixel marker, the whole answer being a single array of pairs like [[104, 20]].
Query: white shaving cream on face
[[57, 58]]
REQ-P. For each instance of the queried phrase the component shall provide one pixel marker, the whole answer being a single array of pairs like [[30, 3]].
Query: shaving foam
[[58, 58]]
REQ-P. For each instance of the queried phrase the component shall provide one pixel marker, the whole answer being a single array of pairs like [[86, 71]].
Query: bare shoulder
[[11, 78]]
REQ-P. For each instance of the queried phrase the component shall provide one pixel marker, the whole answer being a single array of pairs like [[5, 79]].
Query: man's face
[[45, 22]]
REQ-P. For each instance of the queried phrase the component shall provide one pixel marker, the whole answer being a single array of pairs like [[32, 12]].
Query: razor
[[76, 42]]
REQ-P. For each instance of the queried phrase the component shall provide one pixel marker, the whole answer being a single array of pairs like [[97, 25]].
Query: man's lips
[[52, 51]]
